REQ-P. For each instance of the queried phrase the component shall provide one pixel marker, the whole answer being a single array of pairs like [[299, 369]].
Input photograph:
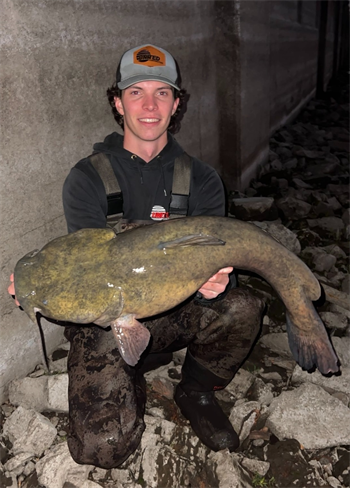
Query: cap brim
[[135, 79]]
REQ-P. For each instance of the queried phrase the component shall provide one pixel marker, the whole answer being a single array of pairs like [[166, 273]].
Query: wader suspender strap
[[104, 168], [181, 186], [179, 194]]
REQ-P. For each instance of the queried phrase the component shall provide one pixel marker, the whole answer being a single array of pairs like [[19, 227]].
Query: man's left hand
[[216, 284]]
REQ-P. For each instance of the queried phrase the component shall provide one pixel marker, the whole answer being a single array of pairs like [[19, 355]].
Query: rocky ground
[[294, 426]]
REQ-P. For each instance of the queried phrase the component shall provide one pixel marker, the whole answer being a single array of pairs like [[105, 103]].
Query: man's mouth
[[149, 120]]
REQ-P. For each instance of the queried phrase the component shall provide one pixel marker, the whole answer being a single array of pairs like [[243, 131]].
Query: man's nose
[[150, 103]]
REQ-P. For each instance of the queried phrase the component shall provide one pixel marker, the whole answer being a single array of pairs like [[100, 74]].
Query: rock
[[300, 183], [329, 226], [291, 164], [335, 251], [240, 384], [261, 392], [293, 208], [46, 393], [278, 343], [283, 235], [228, 472], [159, 463], [297, 415], [333, 384], [341, 192], [29, 431], [16, 464], [345, 286], [244, 413], [255, 466], [318, 259], [346, 216], [57, 467], [334, 320], [254, 208], [273, 376]]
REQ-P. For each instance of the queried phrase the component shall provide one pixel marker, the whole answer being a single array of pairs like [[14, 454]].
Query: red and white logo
[[159, 213]]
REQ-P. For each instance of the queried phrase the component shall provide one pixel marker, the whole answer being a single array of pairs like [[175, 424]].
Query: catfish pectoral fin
[[312, 349], [132, 338]]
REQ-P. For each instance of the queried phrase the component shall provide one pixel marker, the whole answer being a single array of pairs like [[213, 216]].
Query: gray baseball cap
[[147, 62]]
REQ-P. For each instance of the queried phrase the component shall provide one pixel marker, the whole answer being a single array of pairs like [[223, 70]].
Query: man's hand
[[11, 289], [216, 284]]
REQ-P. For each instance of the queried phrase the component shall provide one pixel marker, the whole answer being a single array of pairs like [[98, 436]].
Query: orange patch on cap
[[149, 56]]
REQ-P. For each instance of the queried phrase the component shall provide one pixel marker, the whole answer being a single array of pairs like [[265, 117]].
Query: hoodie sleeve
[[83, 205], [207, 195]]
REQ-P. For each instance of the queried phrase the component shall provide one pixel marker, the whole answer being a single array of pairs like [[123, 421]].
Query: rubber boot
[[195, 396]]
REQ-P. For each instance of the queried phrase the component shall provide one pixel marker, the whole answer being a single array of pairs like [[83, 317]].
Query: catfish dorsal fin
[[192, 240]]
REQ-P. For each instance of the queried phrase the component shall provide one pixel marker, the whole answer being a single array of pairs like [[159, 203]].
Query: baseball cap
[[147, 62]]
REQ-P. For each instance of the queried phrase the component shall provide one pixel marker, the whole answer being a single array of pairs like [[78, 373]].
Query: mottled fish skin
[[95, 276]]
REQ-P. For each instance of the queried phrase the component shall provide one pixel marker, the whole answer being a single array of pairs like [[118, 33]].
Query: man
[[106, 396]]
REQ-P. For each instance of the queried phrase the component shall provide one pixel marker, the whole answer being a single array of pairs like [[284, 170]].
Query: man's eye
[[135, 92], [162, 93]]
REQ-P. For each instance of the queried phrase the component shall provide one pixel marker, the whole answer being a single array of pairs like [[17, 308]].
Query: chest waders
[[107, 397], [179, 194]]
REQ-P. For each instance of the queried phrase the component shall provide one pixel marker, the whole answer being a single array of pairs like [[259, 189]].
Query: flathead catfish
[[95, 276]]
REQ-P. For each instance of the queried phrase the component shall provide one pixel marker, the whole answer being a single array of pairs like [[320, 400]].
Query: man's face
[[147, 107]]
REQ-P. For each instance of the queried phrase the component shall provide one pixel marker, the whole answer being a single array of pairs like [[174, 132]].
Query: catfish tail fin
[[312, 348]]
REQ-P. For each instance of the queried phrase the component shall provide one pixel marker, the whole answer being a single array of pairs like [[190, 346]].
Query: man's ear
[[119, 105], [176, 103]]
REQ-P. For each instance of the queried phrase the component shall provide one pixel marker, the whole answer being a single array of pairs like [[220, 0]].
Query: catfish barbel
[[95, 276]]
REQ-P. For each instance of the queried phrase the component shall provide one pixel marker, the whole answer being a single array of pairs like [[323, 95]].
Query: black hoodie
[[143, 186]]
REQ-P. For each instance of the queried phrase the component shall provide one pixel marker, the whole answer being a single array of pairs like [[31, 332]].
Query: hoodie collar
[[113, 144]]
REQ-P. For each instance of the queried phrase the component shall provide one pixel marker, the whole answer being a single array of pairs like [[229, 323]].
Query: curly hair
[[175, 120]]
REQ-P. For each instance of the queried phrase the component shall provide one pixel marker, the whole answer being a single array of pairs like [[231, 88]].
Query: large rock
[[331, 227], [333, 384], [277, 343], [293, 208], [29, 431], [227, 469], [318, 259], [254, 208], [311, 416], [282, 234], [58, 466], [46, 393]]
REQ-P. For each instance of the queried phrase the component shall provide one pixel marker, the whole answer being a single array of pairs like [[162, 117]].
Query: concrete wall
[[57, 59]]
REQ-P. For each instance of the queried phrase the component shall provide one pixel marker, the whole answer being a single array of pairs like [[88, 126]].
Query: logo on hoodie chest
[[159, 213]]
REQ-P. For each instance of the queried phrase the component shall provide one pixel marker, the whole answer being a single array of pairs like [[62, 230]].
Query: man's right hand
[[11, 290]]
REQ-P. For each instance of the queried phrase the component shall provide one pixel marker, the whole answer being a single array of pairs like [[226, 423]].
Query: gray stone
[[297, 415], [261, 392], [346, 216], [256, 466], [332, 384], [282, 234], [335, 251], [345, 286], [318, 259], [254, 208], [342, 347], [334, 320], [243, 413], [330, 226], [293, 208], [16, 464], [278, 343], [240, 384], [291, 164], [57, 467], [227, 469], [29, 431], [334, 204], [301, 184], [46, 393], [273, 376]]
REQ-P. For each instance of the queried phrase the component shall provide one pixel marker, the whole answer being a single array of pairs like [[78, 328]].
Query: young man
[[106, 396]]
